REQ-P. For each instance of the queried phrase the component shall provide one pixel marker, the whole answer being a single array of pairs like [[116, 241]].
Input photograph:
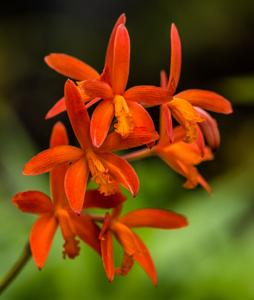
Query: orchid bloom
[[133, 247], [182, 105], [56, 211], [107, 169]]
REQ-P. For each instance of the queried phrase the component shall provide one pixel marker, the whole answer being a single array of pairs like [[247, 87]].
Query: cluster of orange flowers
[[120, 121]]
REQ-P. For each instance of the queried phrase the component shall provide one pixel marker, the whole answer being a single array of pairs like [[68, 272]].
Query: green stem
[[17, 267]]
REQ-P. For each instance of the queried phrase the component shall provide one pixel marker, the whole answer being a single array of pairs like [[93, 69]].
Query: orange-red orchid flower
[[107, 169], [133, 247], [56, 211], [180, 106]]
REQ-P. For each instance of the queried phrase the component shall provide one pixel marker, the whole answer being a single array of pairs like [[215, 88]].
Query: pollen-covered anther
[[125, 124], [71, 247], [190, 132], [100, 175]]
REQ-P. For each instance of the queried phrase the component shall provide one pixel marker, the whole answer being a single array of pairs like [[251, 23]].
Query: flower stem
[[139, 154], [17, 267]]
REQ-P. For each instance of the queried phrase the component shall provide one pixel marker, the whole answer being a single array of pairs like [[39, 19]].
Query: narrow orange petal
[[96, 88], [87, 231], [121, 60], [75, 184], [100, 122], [70, 66], [207, 100], [166, 125], [48, 159], [163, 79], [33, 202], [110, 48], [77, 113], [58, 108], [59, 135], [108, 255], [41, 238], [176, 60], [95, 199], [122, 171], [157, 218], [147, 95]]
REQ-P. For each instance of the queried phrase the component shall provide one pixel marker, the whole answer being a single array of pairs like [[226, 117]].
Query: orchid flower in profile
[[55, 211], [107, 169], [182, 106], [134, 249]]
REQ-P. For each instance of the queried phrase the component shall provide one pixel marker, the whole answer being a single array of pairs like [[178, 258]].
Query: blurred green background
[[212, 259]]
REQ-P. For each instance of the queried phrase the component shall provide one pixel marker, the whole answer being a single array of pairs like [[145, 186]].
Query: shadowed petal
[[70, 66], [166, 125], [75, 184], [147, 95], [87, 231], [207, 100], [176, 60], [121, 60], [96, 88], [77, 114], [41, 238], [94, 198], [100, 122], [157, 218], [108, 255], [58, 108], [48, 159], [122, 171], [33, 202]]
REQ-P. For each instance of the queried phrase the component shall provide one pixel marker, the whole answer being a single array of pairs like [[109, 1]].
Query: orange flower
[[133, 247], [57, 212], [181, 104], [107, 169]]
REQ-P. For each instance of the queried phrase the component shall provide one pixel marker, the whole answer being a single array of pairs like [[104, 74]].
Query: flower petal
[[122, 171], [87, 231], [207, 100], [147, 95], [70, 66], [157, 218], [121, 60], [48, 159], [59, 135], [96, 88], [107, 255], [166, 125], [163, 79], [100, 122], [41, 238], [75, 184], [176, 60], [58, 108], [33, 202], [77, 113], [95, 199]]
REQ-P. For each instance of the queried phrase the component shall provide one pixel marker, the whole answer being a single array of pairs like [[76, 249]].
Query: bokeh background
[[212, 259]]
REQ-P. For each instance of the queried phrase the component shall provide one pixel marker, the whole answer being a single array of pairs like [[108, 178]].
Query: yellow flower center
[[125, 124], [107, 185]]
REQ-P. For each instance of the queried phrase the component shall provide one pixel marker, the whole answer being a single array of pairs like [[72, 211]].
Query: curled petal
[[77, 114], [75, 184], [87, 231], [207, 100], [48, 159], [96, 88], [33, 202], [176, 60], [121, 60], [157, 218], [58, 108], [122, 171], [96, 199], [107, 255], [100, 122], [70, 66], [209, 128], [41, 238], [147, 95]]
